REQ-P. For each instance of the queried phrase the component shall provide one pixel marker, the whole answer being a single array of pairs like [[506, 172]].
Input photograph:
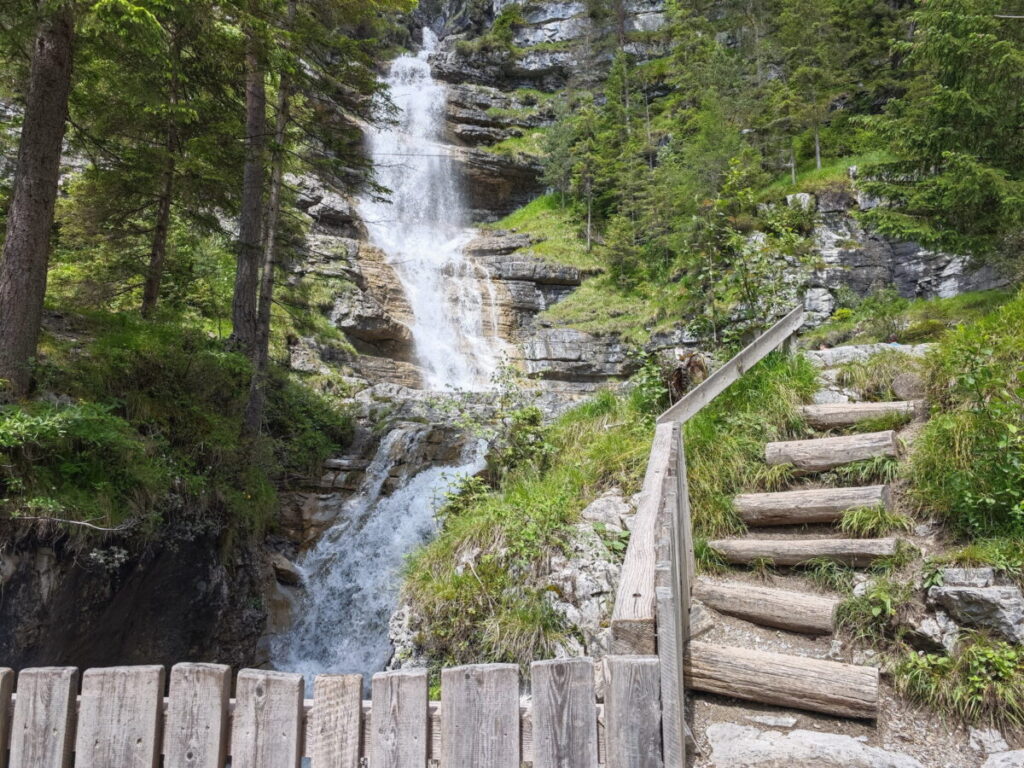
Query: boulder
[[908, 386], [739, 746], [933, 632], [968, 577], [997, 609], [609, 509], [285, 571], [987, 741], [1013, 759]]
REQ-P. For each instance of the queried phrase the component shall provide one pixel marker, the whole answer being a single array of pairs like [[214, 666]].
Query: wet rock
[[998, 609], [497, 184], [738, 746], [987, 741], [285, 571]]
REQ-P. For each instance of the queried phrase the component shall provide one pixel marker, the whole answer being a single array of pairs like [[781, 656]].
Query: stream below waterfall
[[351, 576]]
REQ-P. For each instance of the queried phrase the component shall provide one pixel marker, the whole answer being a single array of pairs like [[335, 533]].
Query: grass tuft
[[825, 573], [876, 470], [877, 520]]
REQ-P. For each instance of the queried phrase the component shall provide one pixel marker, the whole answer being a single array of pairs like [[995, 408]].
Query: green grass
[[872, 617], [811, 179], [886, 423], [530, 143], [873, 378], [876, 470], [1006, 555], [887, 317], [555, 228], [725, 442], [827, 574], [496, 607], [874, 521], [981, 682]]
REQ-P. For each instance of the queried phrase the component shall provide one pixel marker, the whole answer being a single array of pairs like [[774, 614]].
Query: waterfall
[[423, 227], [351, 577]]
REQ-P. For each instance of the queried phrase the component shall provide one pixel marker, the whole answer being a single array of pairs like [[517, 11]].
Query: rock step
[[778, 679], [824, 453], [780, 608], [818, 505], [832, 415], [857, 553]]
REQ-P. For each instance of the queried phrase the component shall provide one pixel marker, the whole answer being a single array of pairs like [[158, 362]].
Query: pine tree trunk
[[817, 147], [158, 248], [243, 306], [261, 353], [792, 165], [26, 249]]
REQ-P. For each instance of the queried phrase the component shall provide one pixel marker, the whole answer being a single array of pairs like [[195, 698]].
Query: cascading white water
[[422, 229], [351, 576]]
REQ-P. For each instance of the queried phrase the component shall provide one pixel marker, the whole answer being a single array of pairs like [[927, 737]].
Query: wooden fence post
[[267, 727], [196, 729], [119, 718], [398, 721], [564, 714], [633, 712], [43, 731], [480, 716], [334, 727]]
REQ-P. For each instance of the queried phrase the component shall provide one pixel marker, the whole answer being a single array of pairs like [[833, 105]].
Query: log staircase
[[804, 527]]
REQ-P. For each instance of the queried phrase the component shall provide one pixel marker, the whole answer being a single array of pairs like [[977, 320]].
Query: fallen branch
[[84, 523]]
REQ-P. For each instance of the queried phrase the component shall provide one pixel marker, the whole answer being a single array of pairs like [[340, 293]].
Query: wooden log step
[[794, 611], [854, 552], [818, 505], [833, 415], [825, 453], [783, 680]]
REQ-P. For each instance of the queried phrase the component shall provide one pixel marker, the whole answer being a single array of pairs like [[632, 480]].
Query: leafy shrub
[[983, 681], [969, 459]]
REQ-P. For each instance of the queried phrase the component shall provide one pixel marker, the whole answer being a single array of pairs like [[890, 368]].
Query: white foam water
[[423, 227]]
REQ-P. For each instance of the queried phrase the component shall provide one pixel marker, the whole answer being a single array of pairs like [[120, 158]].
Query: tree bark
[[817, 146], [243, 307], [158, 248], [26, 249], [261, 352]]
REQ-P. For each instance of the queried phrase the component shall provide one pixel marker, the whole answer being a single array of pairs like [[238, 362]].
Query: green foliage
[[825, 573], [969, 459], [958, 180], [554, 229], [877, 469], [725, 441], [1006, 555], [496, 606], [873, 378], [868, 522], [981, 682], [153, 427], [872, 616]]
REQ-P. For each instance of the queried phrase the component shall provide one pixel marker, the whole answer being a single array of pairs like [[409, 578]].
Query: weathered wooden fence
[[127, 717], [652, 605]]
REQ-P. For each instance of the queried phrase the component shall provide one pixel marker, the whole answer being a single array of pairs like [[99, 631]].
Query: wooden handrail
[[719, 381]]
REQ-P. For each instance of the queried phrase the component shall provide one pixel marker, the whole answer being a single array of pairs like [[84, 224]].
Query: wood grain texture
[[833, 415], [784, 609], [854, 552], [633, 623], [670, 661], [267, 725], [783, 680], [196, 724], [119, 718], [334, 724], [398, 733], [480, 716], [43, 730], [825, 453], [564, 715], [817, 505], [633, 711], [6, 689], [729, 373]]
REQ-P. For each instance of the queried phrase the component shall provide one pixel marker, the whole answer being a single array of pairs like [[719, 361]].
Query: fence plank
[[721, 379], [633, 627], [196, 726], [633, 712], [43, 731], [480, 716], [334, 730], [670, 658], [398, 733], [564, 716], [267, 726], [119, 718], [6, 689]]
